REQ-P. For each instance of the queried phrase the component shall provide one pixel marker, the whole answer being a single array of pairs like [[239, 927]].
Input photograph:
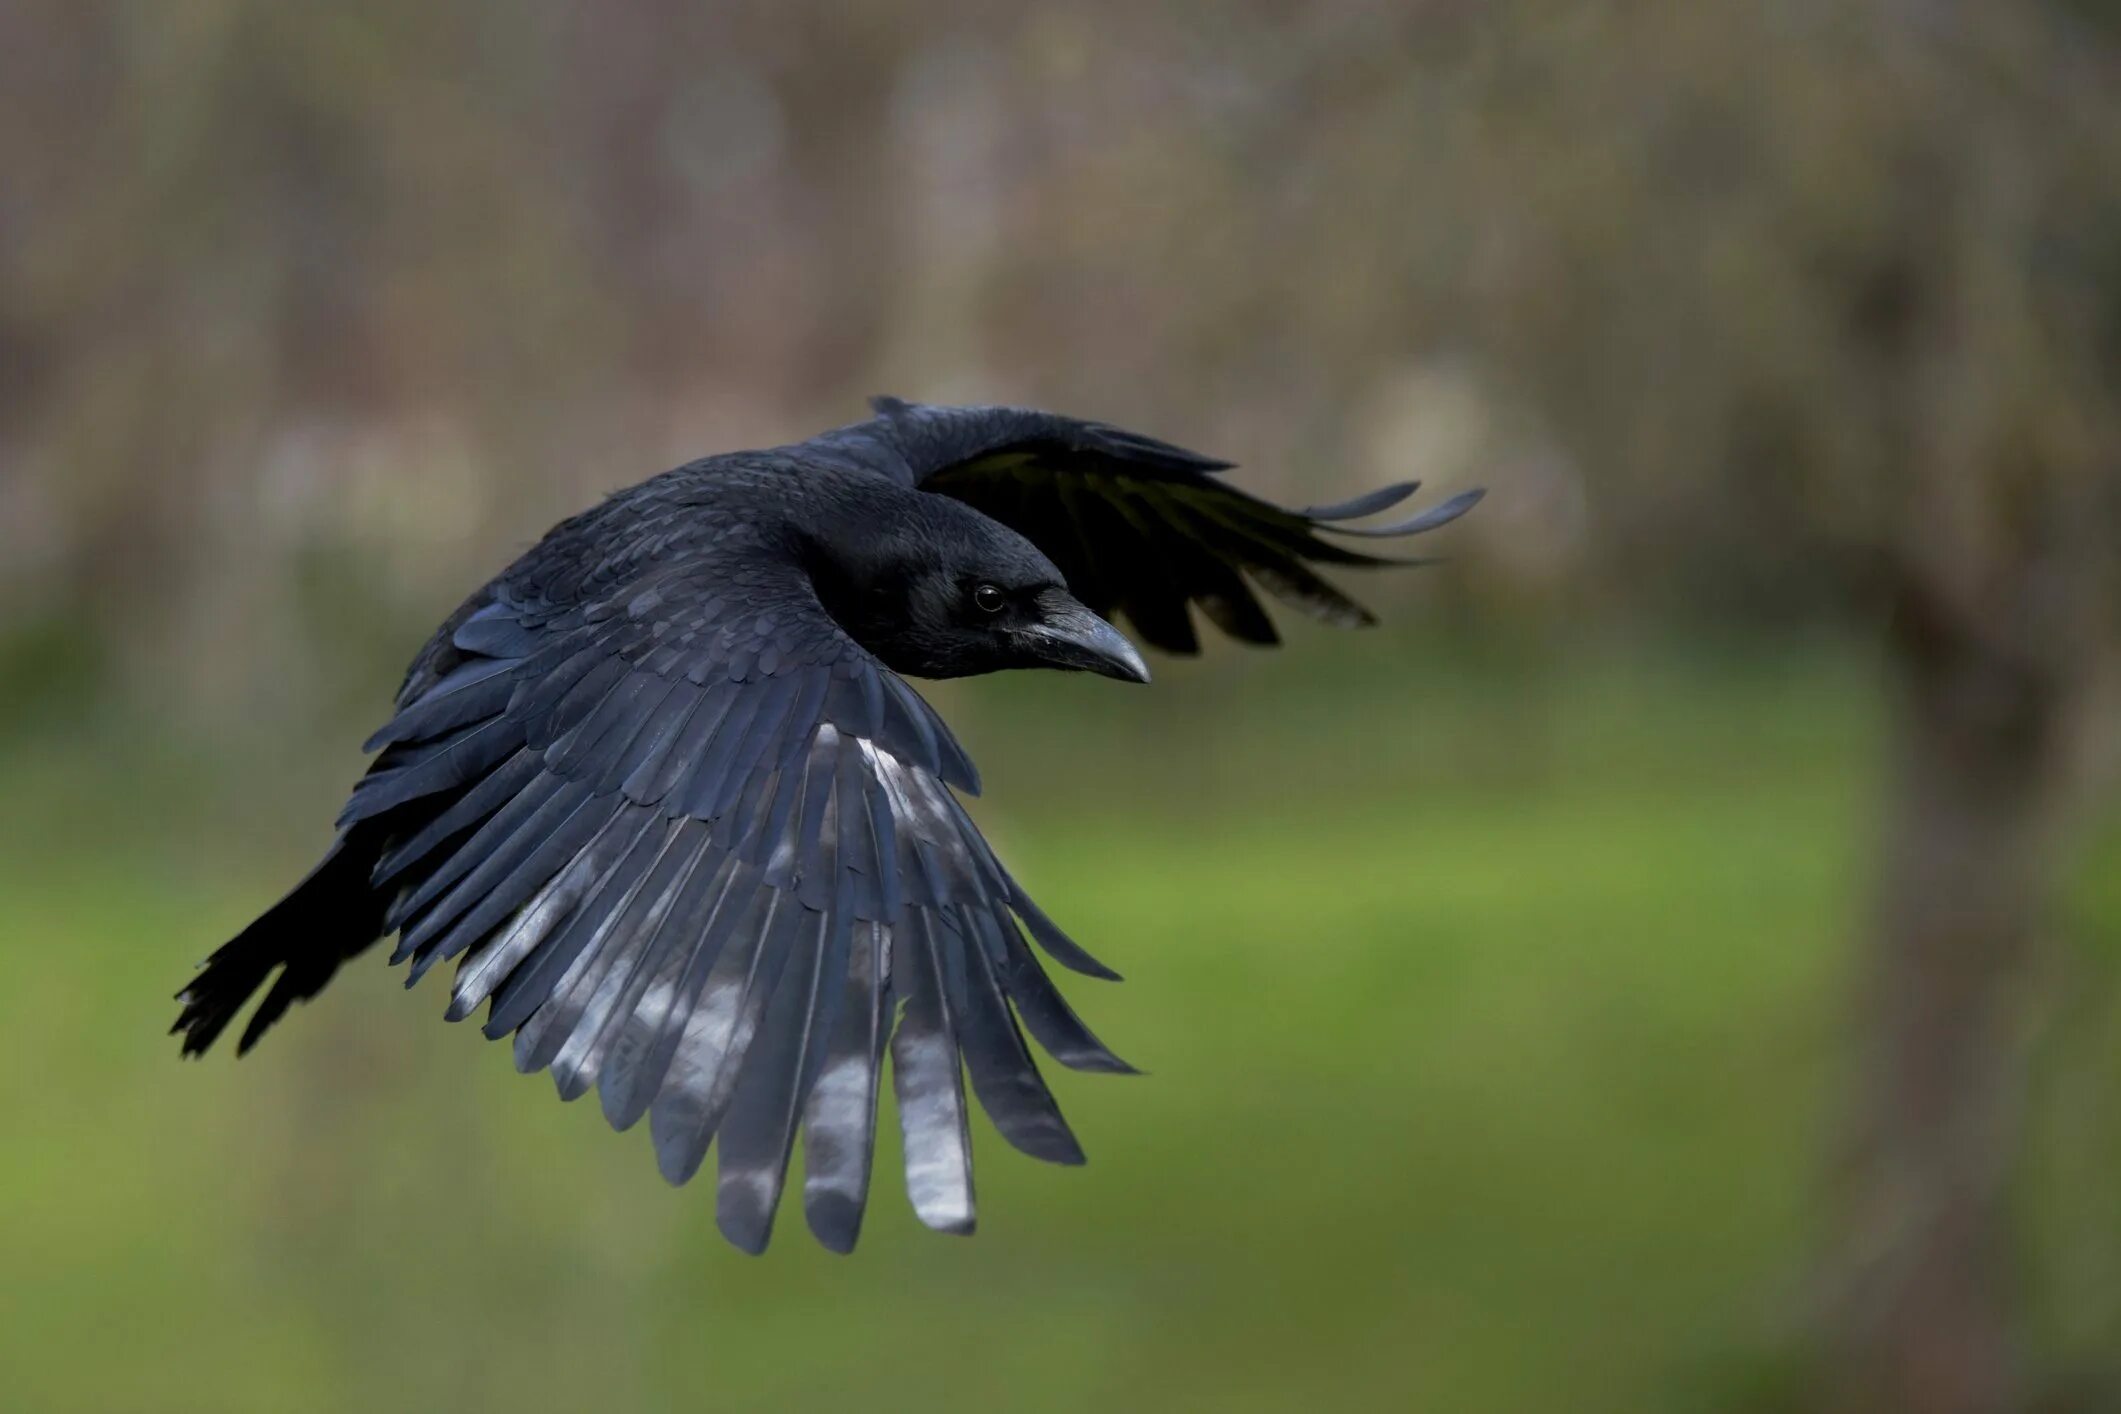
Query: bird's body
[[660, 790]]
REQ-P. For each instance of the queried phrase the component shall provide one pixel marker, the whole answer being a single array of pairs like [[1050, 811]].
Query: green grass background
[[1493, 1018]]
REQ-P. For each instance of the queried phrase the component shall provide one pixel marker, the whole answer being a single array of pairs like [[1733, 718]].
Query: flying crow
[[661, 793]]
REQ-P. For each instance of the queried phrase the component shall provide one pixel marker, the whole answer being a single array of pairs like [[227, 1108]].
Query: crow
[[661, 793]]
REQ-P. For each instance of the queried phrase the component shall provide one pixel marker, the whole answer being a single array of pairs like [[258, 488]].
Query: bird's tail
[[331, 915]]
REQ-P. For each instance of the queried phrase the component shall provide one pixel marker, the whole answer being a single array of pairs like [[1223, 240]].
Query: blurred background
[[1675, 964]]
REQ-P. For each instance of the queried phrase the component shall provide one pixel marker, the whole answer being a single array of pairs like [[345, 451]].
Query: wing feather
[[779, 1073], [930, 1083], [692, 849], [839, 1117], [1139, 525], [1004, 1076], [710, 1048]]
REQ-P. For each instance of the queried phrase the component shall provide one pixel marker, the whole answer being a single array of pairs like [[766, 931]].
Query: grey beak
[[1070, 636]]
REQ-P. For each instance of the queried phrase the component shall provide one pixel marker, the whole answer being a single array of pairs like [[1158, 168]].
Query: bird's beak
[[1070, 636]]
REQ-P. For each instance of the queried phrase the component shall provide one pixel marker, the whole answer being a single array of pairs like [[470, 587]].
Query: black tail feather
[[330, 916]]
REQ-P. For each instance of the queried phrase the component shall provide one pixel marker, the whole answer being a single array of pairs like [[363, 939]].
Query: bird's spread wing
[[1147, 528], [699, 852]]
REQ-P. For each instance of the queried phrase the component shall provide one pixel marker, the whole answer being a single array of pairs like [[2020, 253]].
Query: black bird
[[662, 795]]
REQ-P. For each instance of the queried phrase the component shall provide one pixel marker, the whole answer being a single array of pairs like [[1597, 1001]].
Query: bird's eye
[[989, 599]]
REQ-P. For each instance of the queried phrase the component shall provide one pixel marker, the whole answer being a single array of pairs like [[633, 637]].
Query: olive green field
[[1491, 1010]]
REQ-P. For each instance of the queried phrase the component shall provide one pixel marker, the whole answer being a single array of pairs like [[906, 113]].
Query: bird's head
[[951, 593]]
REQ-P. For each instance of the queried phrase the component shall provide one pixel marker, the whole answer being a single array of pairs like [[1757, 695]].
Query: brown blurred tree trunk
[[1981, 725], [1999, 555]]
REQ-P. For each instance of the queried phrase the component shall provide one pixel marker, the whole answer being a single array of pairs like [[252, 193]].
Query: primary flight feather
[[662, 795]]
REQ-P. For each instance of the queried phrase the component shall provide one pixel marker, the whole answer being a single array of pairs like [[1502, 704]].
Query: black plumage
[[662, 795]]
